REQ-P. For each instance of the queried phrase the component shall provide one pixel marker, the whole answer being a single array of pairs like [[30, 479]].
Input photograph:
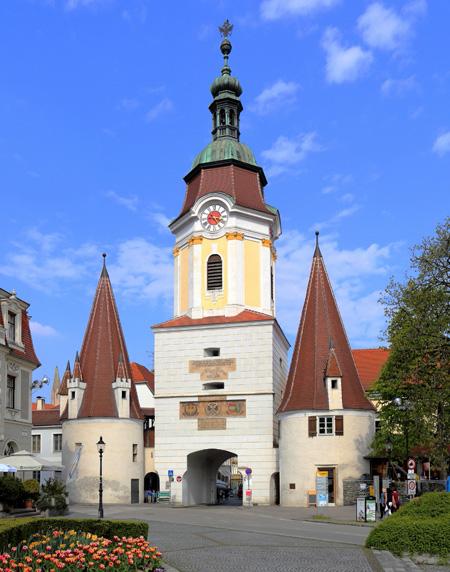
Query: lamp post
[[38, 384], [388, 444], [100, 448]]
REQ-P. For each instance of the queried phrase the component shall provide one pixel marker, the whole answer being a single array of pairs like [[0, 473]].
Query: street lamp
[[100, 448], [388, 444], [38, 384]]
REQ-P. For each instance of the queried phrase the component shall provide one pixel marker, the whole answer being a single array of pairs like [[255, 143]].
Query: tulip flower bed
[[79, 552]]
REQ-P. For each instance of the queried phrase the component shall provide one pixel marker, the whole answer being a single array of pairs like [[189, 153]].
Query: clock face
[[214, 217]]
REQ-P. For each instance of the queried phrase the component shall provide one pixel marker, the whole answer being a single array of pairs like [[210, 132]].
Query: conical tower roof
[[321, 348], [67, 375], [99, 356]]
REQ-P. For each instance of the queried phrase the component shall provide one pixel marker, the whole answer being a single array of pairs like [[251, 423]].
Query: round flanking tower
[[99, 399], [220, 362], [326, 422]]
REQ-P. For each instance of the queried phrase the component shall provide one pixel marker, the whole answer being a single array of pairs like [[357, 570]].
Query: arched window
[[214, 273], [222, 117], [231, 115]]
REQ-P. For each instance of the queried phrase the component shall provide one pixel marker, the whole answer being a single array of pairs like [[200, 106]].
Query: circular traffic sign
[[411, 486], [248, 471], [178, 479], [411, 464]]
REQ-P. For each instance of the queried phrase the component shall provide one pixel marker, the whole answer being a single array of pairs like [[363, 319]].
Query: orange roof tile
[[46, 417], [321, 329], [244, 316], [369, 364], [142, 374]]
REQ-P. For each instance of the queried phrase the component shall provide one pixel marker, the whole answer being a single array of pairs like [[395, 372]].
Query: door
[[331, 483], [134, 490]]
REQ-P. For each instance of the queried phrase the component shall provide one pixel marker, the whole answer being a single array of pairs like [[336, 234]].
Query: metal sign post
[[170, 475], [322, 490], [248, 472]]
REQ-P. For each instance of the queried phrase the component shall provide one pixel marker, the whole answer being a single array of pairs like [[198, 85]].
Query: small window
[[72, 395], [214, 272], [135, 452], [325, 425], [36, 443], [334, 384], [11, 326], [57, 442], [292, 485], [37, 476], [78, 445], [214, 385], [211, 352], [377, 425], [11, 392], [124, 394]]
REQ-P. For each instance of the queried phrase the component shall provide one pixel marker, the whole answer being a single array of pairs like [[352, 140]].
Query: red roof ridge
[[244, 316]]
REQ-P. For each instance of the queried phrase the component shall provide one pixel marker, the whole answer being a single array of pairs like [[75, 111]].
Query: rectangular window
[[57, 442], [211, 352], [72, 395], [11, 326], [37, 476], [124, 394], [36, 443], [325, 425], [334, 384], [135, 451], [11, 392], [377, 425]]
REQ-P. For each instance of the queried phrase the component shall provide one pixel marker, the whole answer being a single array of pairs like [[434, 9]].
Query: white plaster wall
[[301, 456], [145, 396], [250, 438], [118, 468]]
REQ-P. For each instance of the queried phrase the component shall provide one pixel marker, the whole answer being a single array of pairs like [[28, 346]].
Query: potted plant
[[31, 492]]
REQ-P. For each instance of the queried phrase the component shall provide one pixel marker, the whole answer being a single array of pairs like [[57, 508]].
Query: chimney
[[40, 403]]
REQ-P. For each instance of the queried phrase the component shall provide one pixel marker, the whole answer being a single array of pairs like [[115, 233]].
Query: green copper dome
[[225, 148]]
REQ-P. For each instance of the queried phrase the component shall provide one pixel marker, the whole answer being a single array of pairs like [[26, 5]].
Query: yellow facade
[[184, 280], [252, 280], [208, 302]]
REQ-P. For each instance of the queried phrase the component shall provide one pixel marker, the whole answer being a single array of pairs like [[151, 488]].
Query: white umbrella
[[26, 461], [7, 468]]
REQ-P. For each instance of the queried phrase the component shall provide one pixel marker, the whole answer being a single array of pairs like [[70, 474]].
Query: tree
[[418, 367]]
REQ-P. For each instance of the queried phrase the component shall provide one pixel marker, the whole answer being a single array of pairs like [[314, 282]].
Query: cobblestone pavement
[[391, 563]]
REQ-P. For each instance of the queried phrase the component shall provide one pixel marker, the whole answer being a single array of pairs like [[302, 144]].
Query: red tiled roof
[[141, 373], [28, 352], [244, 316], [332, 369], [67, 375], [99, 356], [244, 185], [369, 364], [46, 406], [320, 329], [148, 411], [46, 417]]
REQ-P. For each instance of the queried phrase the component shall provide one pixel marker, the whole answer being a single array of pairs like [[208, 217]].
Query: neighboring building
[[221, 362], [326, 422], [46, 438], [99, 399], [17, 362]]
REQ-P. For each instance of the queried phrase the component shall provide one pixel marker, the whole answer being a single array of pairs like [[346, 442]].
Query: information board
[[371, 510], [360, 509], [322, 488]]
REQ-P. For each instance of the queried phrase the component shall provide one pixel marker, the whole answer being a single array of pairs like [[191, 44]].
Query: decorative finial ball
[[104, 255], [225, 47], [317, 233]]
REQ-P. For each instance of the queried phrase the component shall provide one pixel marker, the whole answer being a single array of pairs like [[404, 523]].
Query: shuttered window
[[312, 426], [339, 425], [214, 272]]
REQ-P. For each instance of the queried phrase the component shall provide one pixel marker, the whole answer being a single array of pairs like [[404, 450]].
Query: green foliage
[[420, 527], [11, 491], [53, 495], [14, 531], [31, 488], [418, 368]]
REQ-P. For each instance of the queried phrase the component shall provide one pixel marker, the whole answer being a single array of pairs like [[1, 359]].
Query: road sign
[[248, 471], [170, 473], [411, 487], [178, 479], [411, 464], [248, 492]]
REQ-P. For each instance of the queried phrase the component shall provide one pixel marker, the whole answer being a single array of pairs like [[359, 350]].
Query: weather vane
[[226, 29]]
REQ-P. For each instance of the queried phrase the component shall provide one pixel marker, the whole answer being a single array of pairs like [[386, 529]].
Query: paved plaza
[[259, 539]]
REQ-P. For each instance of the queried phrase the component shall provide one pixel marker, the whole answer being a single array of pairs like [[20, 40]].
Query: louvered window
[[339, 425], [312, 426], [214, 272]]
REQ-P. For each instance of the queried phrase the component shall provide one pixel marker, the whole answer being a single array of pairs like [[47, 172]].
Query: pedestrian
[[153, 499], [388, 506], [382, 502], [395, 499]]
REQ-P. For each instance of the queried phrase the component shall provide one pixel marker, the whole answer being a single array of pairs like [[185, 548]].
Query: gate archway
[[199, 481]]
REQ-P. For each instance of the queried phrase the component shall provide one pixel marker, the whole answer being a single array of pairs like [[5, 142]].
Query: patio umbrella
[[7, 468], [26, 461]]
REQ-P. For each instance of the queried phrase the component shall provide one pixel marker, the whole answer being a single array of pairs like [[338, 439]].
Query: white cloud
[[399, 86], [38, 329], [442, 144], [162, 107], [343, 64], [160, 220], [128, 104], [357, 277], [335, 219], [130, 204], [74, 4], [348, 198], [279, 95], [385, 29], [275, 9], [286, 153]]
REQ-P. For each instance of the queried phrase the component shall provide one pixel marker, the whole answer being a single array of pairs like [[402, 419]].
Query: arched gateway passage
[[199, 481]]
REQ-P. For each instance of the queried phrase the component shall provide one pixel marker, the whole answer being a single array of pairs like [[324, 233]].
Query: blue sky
[[104, 105]]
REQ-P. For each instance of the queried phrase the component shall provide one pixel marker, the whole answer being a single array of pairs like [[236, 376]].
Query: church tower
[[221, 361], [326, 422]]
